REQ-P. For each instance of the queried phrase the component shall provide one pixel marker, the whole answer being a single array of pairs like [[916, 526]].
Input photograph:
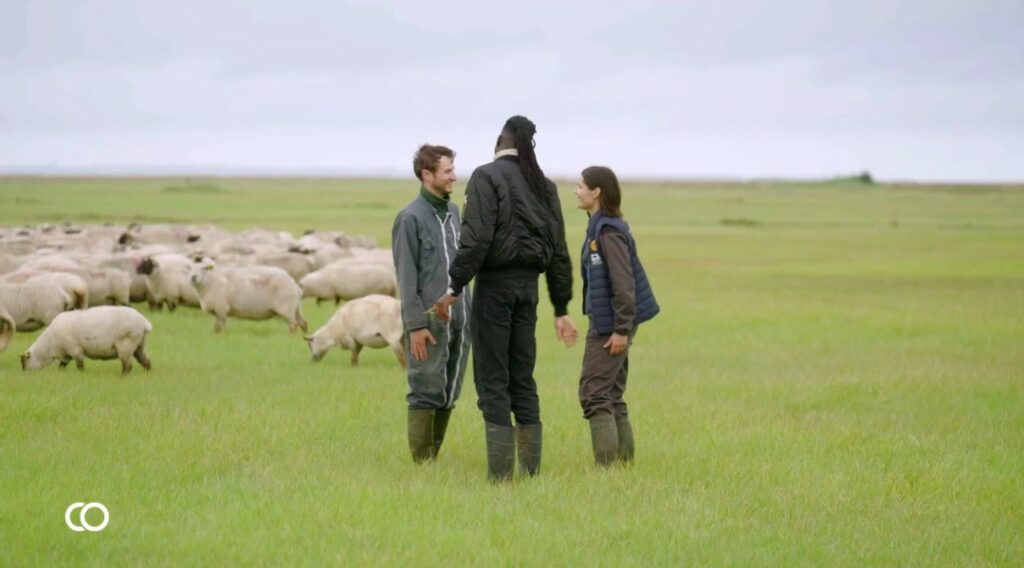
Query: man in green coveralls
[[424, 240]]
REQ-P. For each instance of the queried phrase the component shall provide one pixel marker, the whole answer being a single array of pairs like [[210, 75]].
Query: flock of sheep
[[79, 282]]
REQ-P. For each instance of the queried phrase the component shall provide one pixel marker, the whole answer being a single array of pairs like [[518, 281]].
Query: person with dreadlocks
[[512, 231]]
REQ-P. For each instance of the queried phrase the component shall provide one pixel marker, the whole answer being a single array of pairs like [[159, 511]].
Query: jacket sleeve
[[620, 271], [479, 219], [559, 270], [405, 248]]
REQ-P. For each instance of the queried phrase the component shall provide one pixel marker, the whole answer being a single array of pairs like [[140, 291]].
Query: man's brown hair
[[427, 158]]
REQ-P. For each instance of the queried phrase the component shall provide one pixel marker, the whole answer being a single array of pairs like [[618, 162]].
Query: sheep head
[[201, 269], [147, 266]]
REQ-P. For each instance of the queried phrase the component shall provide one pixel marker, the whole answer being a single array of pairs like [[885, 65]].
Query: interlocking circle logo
[[83, 524]]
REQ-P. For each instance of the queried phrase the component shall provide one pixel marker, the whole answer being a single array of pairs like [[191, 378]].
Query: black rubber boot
[[605, 438], [421, 434], [441, 417], [627, 447], [528, 445], [501, 452]]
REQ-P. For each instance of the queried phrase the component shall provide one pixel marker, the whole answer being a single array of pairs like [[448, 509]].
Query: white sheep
[[128, 262], [8, 262], [328, 254], [346, 281], [108, 286], [73, 285], [362, 241], [167, 281], [295, 264], [104, 332], [382, 257], [372, 321], [33, 305], [250, 292], [7, 328]]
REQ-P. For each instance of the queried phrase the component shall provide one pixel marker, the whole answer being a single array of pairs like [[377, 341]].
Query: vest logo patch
[[595, 260]]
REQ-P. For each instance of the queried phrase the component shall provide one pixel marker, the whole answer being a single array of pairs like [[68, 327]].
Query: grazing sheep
[[73, 285], [7, 328], [167, 281], [347, 281], [372, 321], [8, 262], [108, 286], [128, 262], [104, 333], [295, 264], [346, 241], [52, 263], [382, 257], [157, 234], [33, 305], [19, 245], [328, 254], [250, 292], [267, 237]]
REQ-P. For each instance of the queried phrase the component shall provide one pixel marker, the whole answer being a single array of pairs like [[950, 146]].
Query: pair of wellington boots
[[504, 443], [612, 439], [426, 432]]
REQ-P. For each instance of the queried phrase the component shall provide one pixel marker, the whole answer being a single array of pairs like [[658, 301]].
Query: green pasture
[[836, 378]]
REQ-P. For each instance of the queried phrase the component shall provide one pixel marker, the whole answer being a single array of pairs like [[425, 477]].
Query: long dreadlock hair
[[522, 130]]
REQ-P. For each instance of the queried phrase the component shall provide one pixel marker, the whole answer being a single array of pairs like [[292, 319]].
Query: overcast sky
[[924, 89]]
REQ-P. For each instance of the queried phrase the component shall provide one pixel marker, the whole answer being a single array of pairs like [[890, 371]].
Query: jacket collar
[[594, 220]]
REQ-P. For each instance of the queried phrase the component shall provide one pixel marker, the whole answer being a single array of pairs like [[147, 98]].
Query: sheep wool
[[372, 321], [104, 332]]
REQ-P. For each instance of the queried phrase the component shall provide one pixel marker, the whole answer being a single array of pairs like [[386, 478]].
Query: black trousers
[[503, 326]]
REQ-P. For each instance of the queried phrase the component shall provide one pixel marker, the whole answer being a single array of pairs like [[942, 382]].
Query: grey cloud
[[265, 83]]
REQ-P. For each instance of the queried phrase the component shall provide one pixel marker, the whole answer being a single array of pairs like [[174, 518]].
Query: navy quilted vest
[[597, 284]]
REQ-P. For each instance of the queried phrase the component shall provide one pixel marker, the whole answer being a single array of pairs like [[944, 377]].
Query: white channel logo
[[83, 524]]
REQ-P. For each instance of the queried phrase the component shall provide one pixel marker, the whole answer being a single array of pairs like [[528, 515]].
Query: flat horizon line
[[228, 172]]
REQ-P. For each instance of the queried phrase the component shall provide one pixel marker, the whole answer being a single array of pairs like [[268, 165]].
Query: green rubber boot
[[441, 417], [421, 434], [528, 445], [501, 452], [605, 438], [627, 447]]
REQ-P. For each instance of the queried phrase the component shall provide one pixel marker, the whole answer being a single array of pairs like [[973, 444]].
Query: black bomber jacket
[[504, 225]]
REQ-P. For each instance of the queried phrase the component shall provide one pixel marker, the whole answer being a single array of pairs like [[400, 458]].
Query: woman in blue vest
[[617, 299]]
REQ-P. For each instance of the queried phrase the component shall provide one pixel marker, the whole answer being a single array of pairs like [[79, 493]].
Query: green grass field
[[836, 378]]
